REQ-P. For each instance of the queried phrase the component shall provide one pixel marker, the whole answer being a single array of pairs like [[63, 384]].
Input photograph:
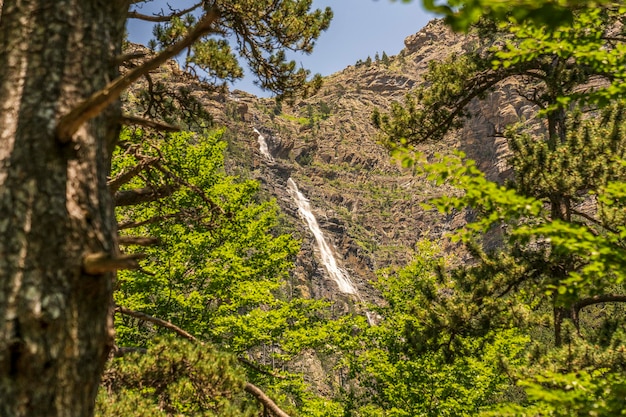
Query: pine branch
[[153, 124], [161, 18], [98, 101], [102, 262], [267, 402], [159, 322]]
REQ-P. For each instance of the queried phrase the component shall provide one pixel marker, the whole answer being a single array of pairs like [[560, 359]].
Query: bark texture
[[55, 208]]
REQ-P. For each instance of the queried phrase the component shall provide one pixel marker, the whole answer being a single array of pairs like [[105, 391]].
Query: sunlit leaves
[[403, 364], [462, 14], [216, 260], [592, 392]]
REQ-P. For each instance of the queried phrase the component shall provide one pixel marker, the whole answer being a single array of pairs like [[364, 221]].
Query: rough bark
[[55, 207]]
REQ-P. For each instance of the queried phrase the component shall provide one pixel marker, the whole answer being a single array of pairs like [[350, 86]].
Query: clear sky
[[359, 29]]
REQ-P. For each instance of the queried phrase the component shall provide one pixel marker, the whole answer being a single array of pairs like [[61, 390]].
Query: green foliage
[[510, 288], [462, 14], [551, 65], [587, 159], [175, 377], [547, 248], [175, 106], [220, 272], [493, 202], [438, 106], [398, 377], [589, 43], [216, 59], [262, 32], [585, 393]]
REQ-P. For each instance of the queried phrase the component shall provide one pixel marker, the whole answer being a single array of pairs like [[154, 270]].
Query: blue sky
[[359, 29]]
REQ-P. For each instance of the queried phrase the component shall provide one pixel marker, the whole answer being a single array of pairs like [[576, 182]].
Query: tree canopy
[[559, 258]]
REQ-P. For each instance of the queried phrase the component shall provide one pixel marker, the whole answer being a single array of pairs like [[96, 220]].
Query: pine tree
[[540, 273], [60, 123], [385, 59]]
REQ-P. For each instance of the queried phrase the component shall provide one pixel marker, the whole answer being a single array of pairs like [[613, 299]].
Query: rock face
[[367, 206]]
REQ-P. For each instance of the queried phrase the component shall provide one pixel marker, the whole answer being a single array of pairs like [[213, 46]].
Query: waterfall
[[265, 151], [336, 273], [328, 259]]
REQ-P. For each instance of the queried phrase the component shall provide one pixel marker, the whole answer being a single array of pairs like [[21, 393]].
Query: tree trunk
[[55, 320]]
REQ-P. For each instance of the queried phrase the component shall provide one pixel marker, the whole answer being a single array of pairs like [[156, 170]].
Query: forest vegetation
[[141, 277]]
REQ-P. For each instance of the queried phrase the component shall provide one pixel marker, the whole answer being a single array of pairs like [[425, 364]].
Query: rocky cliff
[[367, 206], [365, 202]]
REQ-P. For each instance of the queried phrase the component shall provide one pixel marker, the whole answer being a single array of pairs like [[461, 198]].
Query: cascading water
[[265, 150], [328, 259]]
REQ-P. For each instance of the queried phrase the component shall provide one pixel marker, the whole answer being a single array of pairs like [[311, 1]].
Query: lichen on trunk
[[55, 320]]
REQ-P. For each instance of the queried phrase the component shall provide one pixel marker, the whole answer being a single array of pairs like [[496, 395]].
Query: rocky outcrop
[[369, 206]]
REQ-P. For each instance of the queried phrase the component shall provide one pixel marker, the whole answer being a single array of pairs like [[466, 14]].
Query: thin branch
[[98, 101], [598, 299], [102, 262], [139, 240], [153, 124], [142, 195], [124, 177], [265, 400], [593, 220], [121, 59], [161, 18], [151, 220], [159, 322]]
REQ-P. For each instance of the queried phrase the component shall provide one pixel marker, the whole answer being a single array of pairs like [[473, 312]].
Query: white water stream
[[336, 273], [265, 151], [328, 259]]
